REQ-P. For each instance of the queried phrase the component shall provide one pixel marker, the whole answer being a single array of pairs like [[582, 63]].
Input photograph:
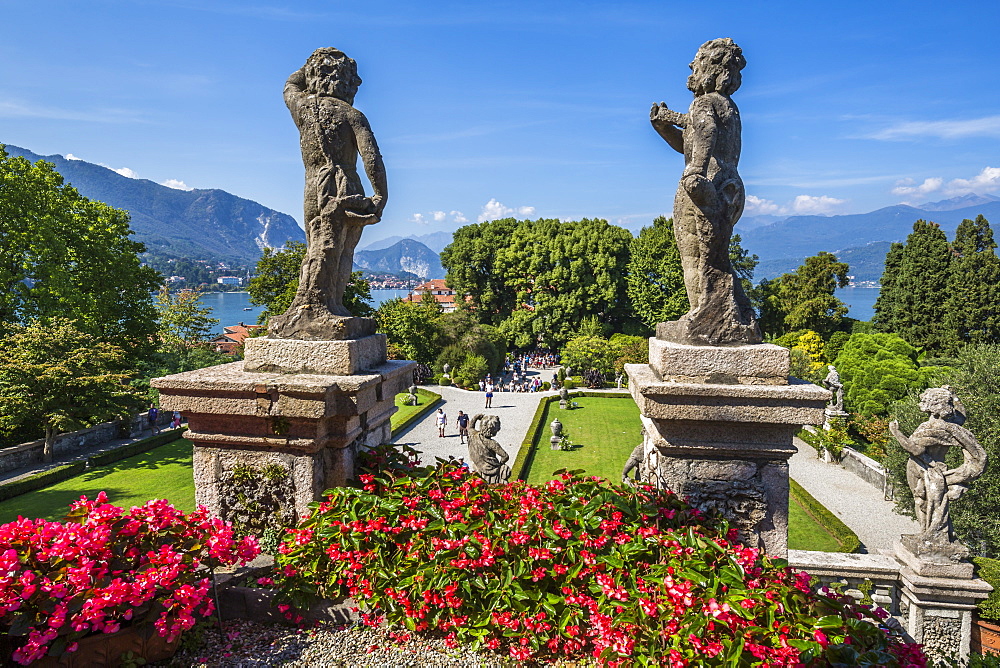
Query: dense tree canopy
[[55, 377], [471, 260], [62, 254], [655, 277], [804, 299], [972, 306], [912, 302], [877, 370]]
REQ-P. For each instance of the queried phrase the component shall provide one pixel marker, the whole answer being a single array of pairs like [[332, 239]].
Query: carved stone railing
[[869, 578]]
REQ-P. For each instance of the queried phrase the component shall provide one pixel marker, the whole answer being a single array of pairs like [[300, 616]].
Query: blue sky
[[516, 108]]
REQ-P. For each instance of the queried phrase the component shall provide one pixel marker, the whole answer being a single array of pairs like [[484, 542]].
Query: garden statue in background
[[833, 383], [332, 134], [933, 484], [563, 397], [488, 458], [709, 200], [639, 464]]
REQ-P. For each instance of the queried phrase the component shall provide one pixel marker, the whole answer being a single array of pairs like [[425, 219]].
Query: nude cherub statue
[[488, 457], [709, 200], [933, 484], [332, 134], [834, 384]]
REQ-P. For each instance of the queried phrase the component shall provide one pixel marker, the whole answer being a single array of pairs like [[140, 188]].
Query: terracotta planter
[[107, 649], [985, 637]]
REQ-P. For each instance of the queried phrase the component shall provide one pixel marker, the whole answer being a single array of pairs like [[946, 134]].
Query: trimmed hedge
[[525, 454], [989, 570], [39, 480], [433, 398], [849, 541], [134, 448]]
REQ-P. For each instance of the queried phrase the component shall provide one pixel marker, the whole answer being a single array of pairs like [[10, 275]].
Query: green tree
[[62, 254], [805, 298], [584, 353], [629, 349], [744, 263], [411, 329], [655, 283], [277, 279], [461, 335], [564, 272], [886, 305], [877, 370], [58, 377], [472, 269], [184, 320], [914, 303], [976, 380], [972, 306]]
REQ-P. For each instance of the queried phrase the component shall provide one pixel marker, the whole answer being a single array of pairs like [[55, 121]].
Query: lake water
[[232, 308], [861, 301]]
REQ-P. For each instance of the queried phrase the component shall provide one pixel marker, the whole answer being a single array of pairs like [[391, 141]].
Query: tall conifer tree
[[885, 319], [973, 306]]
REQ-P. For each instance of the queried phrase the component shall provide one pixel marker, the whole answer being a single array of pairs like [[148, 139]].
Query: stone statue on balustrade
[[933, 483], [332, 134], [709, 200], [833, 383], [489, 459]]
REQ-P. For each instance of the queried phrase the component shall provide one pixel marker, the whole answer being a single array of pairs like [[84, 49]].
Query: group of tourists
[[513, 382], [536, 359]]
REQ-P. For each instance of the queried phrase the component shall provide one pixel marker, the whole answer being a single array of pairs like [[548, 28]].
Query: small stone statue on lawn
[[332, 135], [488, 458], [832, 382], [933, 484], [709, 200]]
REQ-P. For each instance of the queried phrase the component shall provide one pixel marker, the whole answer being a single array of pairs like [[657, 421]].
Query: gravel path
[[858, 504], [515, 410]]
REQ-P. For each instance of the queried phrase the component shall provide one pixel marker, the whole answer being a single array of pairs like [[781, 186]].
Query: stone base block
[[758, 364], [934, 565], [296, 434], [798, 403], [938, 612], [314, 322], [333, 358]]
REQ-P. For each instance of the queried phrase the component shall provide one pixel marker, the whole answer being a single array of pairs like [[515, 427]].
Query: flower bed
[[104, 567], [575, 567]]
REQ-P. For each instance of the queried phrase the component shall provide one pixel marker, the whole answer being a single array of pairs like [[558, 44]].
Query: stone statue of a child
[[833, 383], [933, 484], [709, 200], [488, 457], [332, 135]]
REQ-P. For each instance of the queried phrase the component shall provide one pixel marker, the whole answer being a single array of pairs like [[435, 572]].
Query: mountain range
[[436, 241], [861, 239], [405, 255], [206, 224]]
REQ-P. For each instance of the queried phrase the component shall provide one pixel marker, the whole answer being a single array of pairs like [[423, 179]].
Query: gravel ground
[[249, 644], [858, 504]]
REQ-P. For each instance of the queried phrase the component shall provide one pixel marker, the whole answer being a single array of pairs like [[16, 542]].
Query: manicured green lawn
[[161, 473], [606, 431], [423, 396], [805, 533]]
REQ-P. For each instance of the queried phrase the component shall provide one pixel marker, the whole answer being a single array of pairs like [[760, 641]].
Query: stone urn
[[556, 440]]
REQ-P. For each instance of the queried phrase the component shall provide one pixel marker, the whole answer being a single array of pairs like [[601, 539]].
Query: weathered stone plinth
[[333, 358], [719, 423], [938, 597], [246, 424]]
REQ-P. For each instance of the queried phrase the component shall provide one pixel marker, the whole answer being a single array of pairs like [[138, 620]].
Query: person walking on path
[[151, 417], [489, 396], [463, 427], [442, 422]]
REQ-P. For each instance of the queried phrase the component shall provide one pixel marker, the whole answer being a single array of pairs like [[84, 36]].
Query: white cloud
[[493, 210], [419, 219], [757, 206], [458, 217], [987, 126], [70, 156], [439, 216], [802, 204], [907, 187], [986, 181], [809, 204], [176, 184], [125, 171]]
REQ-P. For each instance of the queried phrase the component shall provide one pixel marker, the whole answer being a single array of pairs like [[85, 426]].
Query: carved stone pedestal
[[279, 435], [718, 425], [831, 414], [937, 601]]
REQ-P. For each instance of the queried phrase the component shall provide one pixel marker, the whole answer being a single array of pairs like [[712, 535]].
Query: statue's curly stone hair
[[719, 59]]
